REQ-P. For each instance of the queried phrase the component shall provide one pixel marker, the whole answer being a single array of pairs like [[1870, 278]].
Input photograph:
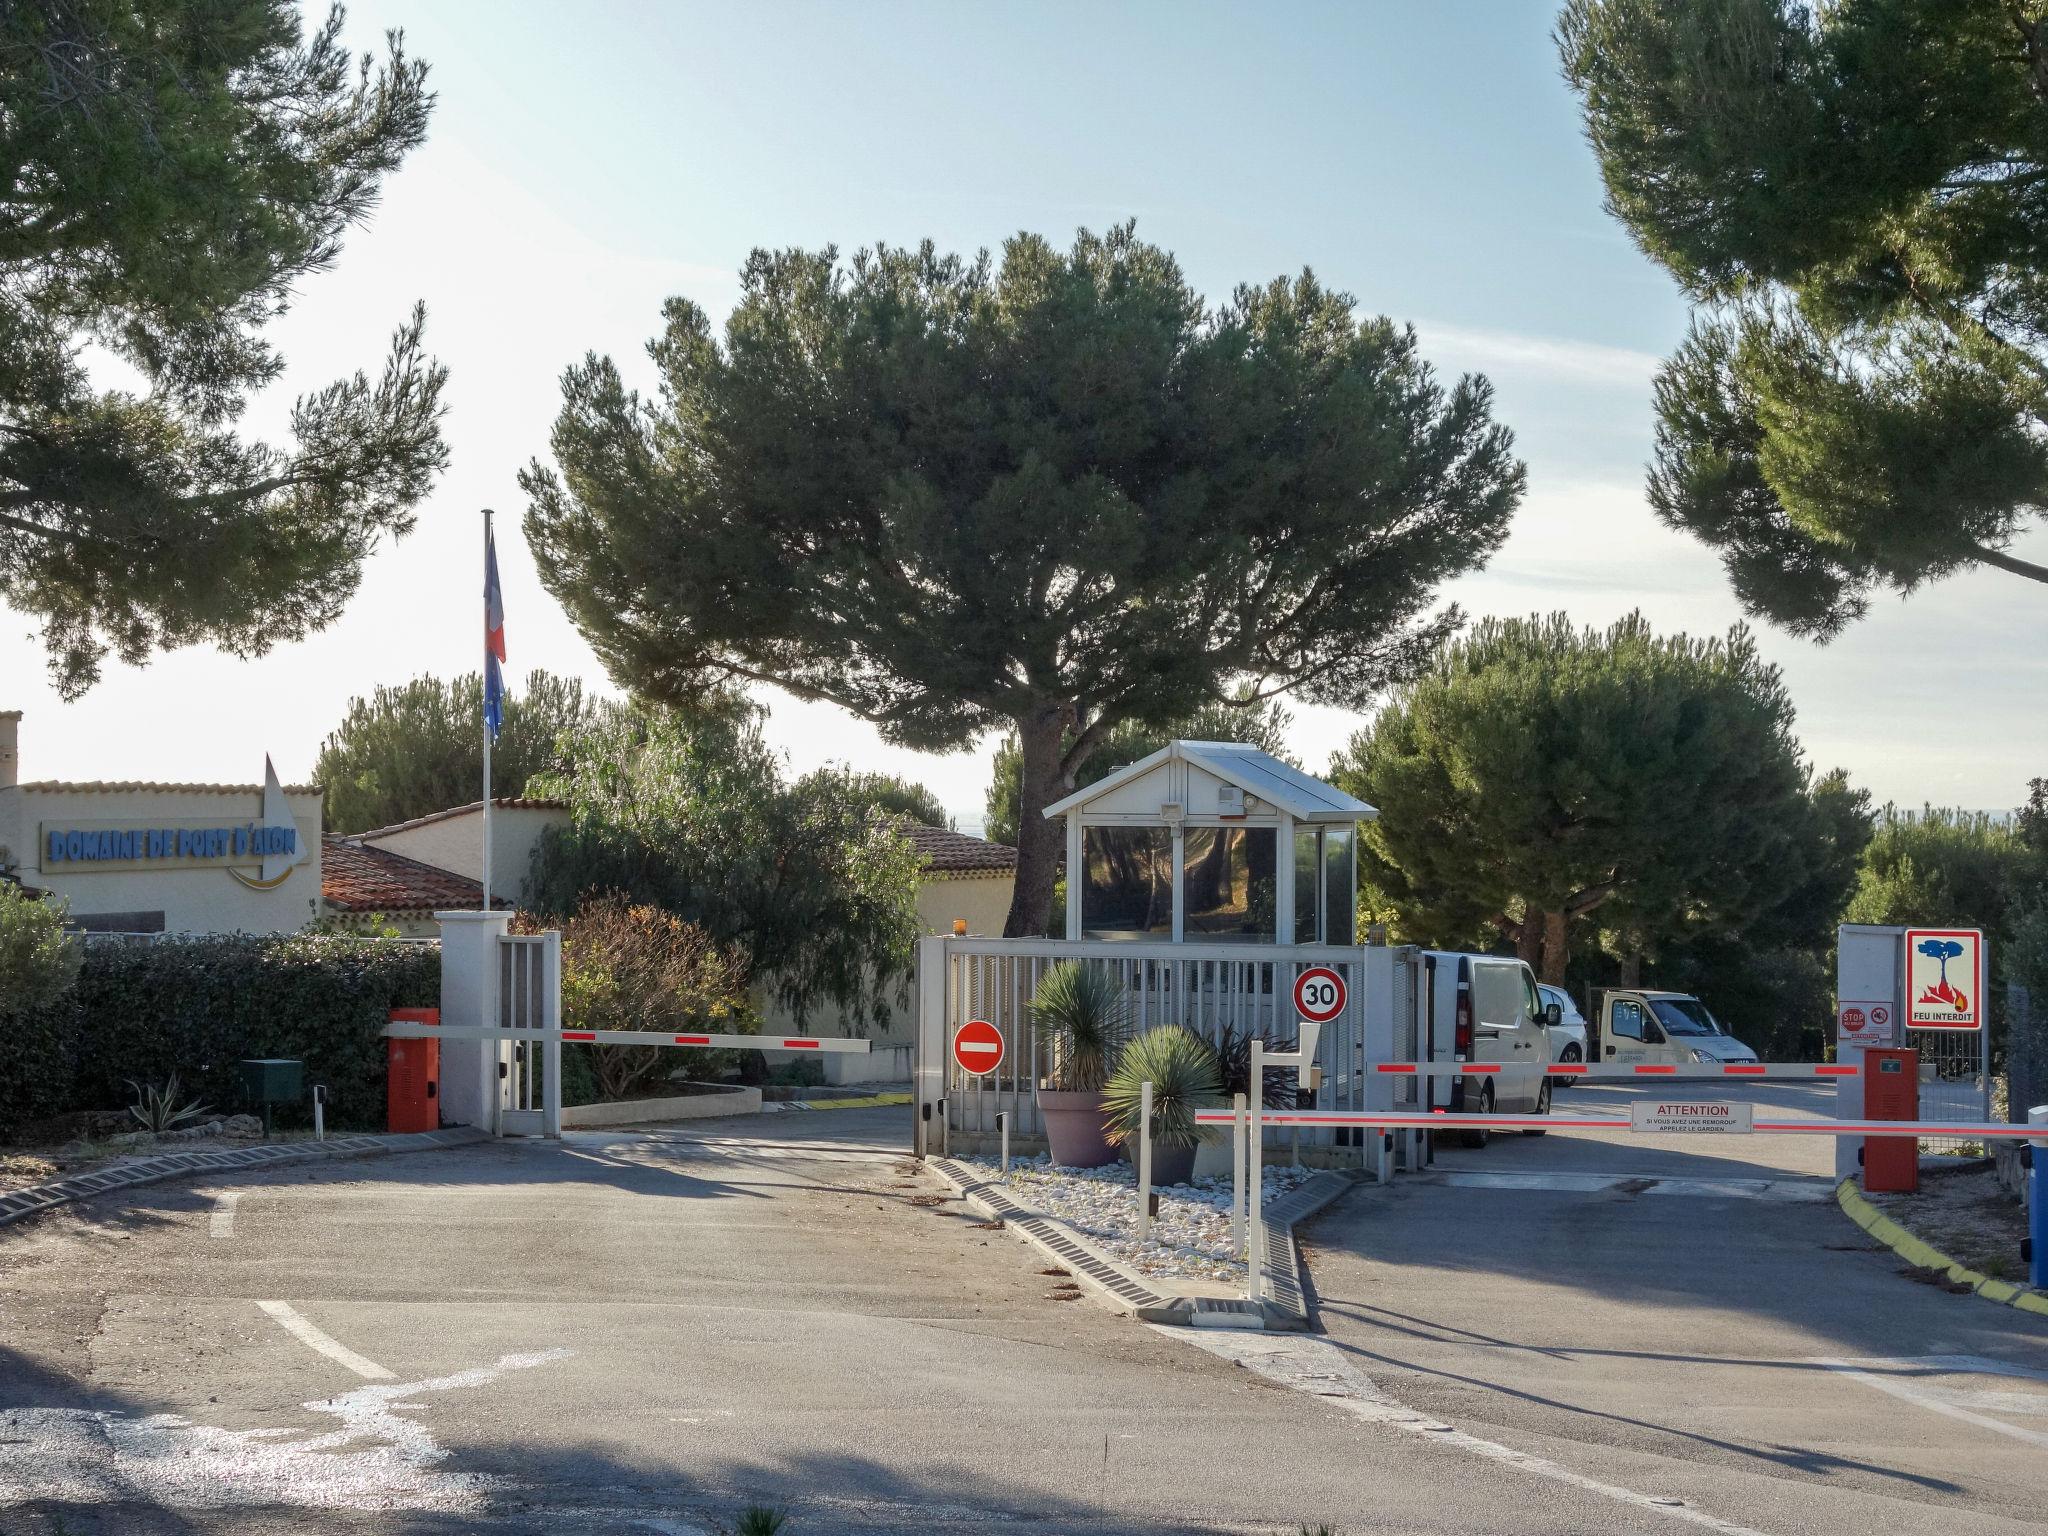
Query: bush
[[628, 966], [38, 969], [1184, 1076], [196, 1006]]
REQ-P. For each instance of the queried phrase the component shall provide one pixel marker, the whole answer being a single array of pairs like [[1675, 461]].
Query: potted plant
[[1184, 1075], [1083, 1018]]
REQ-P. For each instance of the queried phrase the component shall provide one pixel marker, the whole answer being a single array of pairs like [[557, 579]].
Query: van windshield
[[1684, 1016]]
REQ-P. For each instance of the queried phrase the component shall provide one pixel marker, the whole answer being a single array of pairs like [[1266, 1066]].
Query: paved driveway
[[1691, 1316], [639, 1332]]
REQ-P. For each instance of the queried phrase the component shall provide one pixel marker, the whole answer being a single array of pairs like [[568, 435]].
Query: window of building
[[1127, 888], [1229, 883]]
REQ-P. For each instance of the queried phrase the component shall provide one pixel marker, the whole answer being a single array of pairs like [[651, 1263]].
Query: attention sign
[[1944, 978], [1691, 1115]]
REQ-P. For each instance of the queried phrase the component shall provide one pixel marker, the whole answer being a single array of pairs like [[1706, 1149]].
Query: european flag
[[494, 640]]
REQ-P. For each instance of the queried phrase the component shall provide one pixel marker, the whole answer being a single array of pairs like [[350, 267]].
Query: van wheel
[[1542, 1108], [1480, 1137]]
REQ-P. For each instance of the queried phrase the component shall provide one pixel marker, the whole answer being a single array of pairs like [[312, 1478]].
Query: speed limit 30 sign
[[1319, 994]]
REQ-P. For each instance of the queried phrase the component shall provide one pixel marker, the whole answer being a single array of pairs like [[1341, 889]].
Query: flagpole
[[484, 724]]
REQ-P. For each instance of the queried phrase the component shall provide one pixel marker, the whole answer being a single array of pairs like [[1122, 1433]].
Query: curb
[[1922, 1254], [19, 1204], [870, 1101]]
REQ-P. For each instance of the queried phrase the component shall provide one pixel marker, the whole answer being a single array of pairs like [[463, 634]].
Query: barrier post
[[319, 1112], [1003, 1129], [1144, 1162], [2037, 1199], [1255, 1174], [1237, 1176]]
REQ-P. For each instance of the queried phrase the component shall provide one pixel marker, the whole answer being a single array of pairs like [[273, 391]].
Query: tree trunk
[[1557, 948], [1041, 844], [1632, 970]]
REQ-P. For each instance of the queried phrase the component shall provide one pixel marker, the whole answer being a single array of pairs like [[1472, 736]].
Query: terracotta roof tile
[[142, 786], [358, 879], [957, 854]]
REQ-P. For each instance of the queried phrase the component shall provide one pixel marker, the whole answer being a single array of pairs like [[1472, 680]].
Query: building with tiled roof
[[362, 882], [950, 855]]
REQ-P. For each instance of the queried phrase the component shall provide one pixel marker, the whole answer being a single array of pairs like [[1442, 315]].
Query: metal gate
[[1214, 990], [529, 997], [1955, 1080]]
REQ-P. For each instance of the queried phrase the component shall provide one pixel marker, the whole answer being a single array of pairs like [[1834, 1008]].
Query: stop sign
[[1319, 994], [978, 1047]]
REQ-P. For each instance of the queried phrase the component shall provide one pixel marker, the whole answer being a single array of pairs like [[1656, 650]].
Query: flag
[[494, 640]]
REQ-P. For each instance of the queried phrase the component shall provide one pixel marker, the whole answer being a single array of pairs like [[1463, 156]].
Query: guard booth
[[1207, 876]]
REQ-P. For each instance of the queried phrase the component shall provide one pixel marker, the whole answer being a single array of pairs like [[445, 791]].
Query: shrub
[[1085, 1017], [38, 969], [1184, 1076], [196, 1006], [631, 966]]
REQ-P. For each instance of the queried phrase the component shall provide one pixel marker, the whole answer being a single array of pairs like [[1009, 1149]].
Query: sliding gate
[[1224, 993]]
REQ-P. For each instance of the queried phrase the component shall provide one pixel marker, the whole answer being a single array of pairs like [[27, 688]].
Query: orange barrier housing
[[1891, 1091], [413, 1082]]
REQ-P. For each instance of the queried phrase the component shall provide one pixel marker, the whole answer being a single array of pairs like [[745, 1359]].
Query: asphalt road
[[1694, 1316], [636, 1332]]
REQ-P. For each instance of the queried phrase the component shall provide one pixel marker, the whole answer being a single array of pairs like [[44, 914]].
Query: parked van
[[1495, 1017], [1639, 1028]]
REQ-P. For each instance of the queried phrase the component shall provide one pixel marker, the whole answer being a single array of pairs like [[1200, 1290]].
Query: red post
[[412, 1094], [1891, 1091]]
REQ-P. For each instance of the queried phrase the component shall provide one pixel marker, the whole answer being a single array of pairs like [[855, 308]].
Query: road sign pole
[[1144, 1162], [1255, 1173], [1237, 1176]]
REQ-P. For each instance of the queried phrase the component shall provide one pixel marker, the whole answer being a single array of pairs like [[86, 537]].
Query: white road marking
[[1318, 1367], [78, 1456], [313, 1338], [1957, 1403], [222, 1222]]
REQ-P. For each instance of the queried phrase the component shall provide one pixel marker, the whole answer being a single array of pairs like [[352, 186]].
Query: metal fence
[[1955, 1080], [529, 997], [1214, 990]]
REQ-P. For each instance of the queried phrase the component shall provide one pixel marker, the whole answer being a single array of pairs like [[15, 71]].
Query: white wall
[[457, 843], [203, 900]]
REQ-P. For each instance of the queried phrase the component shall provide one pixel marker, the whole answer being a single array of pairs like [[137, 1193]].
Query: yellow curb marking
[[1924, 1255]]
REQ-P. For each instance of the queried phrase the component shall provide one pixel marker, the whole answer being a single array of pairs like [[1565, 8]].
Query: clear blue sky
[[586, 162]]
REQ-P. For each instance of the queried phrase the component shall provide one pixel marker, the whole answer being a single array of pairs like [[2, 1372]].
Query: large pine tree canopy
[[169, 174], [1051, 494], [1856, 197]]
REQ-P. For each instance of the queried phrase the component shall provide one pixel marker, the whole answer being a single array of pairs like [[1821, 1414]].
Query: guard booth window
[[1127, 891], [1231, 883], [1325, 885]]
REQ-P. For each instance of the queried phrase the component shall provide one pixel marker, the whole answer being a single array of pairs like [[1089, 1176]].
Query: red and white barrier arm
[[407, 1029], [1697, 1069], [1438, 1120]]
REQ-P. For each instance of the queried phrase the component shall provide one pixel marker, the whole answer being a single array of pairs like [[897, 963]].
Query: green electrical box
[[273, 1080]]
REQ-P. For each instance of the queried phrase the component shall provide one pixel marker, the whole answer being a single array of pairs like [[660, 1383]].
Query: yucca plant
[[1184, 1076], [157, 1108], [1084, 1018], [759, 1520]]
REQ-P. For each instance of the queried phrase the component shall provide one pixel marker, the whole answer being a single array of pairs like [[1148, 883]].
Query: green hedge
[[197, 1006]]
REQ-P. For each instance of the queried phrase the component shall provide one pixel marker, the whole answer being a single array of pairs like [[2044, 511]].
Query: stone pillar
[[469, 999]]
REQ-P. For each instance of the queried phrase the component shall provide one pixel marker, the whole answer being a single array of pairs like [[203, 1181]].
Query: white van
[[1493, 1016], [1647, 1028]]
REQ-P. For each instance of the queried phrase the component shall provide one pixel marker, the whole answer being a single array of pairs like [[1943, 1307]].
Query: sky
[[1427, 159]]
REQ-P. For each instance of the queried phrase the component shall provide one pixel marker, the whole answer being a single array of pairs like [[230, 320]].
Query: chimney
[[10, 748]]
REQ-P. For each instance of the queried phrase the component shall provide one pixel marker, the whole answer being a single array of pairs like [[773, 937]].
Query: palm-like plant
[[1184, 1076], [157, 1108], [1234, 1056], [1084, 1017]]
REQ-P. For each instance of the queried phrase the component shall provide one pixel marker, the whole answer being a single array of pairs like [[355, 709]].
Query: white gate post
[[928, 1068], [469, 999], [1255, 1172], [551, 1048]]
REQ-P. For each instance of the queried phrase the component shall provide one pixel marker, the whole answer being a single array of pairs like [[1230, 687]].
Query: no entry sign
[[978, 1047], [1319, 994]]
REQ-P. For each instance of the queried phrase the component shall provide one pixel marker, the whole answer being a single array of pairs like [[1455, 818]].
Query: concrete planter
[[728, 1100], [1073, 1129]]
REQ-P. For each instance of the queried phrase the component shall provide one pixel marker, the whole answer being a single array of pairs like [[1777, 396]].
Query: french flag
[[494, 639]]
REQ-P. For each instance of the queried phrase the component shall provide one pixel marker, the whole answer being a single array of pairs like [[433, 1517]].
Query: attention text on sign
[[1650, 1115]]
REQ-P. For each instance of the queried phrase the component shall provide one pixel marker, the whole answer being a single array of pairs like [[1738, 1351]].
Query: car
[[1568, 1034], [1641, 1028]]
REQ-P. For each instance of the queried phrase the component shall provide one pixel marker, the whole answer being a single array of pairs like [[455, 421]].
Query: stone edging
[[1123, 1290], [1924, 1255], [18, 1204]]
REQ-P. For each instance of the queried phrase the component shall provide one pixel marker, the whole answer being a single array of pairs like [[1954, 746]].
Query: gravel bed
[[1190, 1235]]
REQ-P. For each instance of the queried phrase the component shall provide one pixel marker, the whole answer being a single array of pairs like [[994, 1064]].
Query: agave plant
[[157, 1108], [1184, 1076], [759, 1520], [1083, 1017]]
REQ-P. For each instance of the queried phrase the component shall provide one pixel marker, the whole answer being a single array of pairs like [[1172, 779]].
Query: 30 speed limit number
[[1319, 994]]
